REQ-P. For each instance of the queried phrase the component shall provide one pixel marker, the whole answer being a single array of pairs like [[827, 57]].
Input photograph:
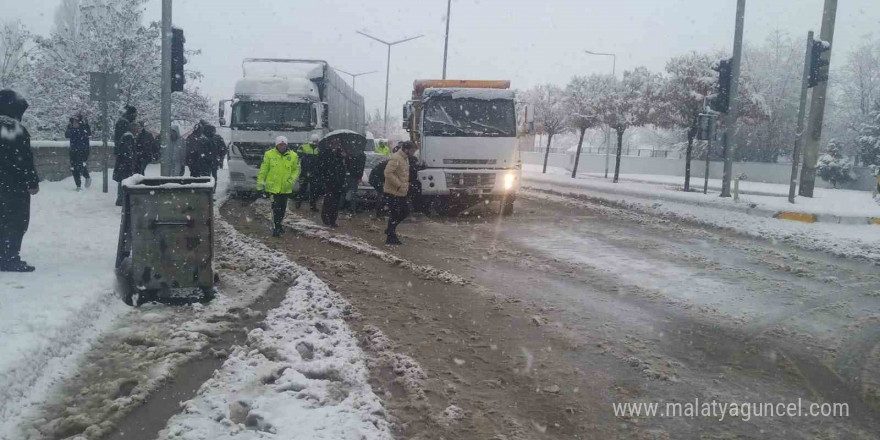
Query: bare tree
[[631, 103], [583, 98], [548, 102], [14, 53]]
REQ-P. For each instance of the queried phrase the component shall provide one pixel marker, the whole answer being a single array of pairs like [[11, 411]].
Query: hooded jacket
[[17, 171]]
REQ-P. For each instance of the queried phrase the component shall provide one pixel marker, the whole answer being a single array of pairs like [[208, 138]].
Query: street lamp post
[[613, 74], [355, 75], [387, 72], [446, 41]]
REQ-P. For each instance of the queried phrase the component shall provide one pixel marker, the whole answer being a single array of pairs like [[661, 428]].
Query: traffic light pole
[[817, 109], [729, 137], [166, 88], [799, 135]]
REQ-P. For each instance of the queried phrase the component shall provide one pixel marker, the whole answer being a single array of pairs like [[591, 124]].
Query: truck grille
[[470, 180], [252, 152], [469, 161]]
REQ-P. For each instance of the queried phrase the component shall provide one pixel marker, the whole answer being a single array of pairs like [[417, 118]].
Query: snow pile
[[313, 230], [302, 375], [408, 372], [849, 241]]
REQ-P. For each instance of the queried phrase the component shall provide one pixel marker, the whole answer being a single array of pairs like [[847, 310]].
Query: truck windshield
[[271, 115], [469, 117]]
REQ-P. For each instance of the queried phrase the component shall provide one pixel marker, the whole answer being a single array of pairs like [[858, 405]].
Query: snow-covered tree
[[631, 103], [833, 167], [551, 117], [690, 79], [583, 100], [113, 39], [376, 125], [14, 52], [869, 138]]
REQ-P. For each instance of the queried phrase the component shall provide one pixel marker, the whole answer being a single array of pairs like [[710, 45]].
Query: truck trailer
[[465, 131], [296, 99]]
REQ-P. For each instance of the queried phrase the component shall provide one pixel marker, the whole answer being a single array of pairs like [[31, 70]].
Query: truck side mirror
[[318, 115], [221, 114], [407, 116]]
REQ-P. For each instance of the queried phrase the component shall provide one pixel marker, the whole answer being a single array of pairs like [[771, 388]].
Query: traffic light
[[721, 102], [178, 79], [820, 56]]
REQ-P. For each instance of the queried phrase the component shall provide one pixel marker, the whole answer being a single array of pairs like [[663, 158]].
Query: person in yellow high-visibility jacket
[[278, 172], [382, 148]]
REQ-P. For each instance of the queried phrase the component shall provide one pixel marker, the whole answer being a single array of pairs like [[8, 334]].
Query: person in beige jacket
[[396, 187]]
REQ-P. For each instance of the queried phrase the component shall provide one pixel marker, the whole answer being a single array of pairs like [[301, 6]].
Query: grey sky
[[528, 42]]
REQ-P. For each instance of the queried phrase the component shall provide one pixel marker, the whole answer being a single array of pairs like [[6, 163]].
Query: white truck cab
[[466, 137]]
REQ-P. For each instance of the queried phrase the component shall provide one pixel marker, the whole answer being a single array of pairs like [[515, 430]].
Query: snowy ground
[[76, 359], [855, 241]]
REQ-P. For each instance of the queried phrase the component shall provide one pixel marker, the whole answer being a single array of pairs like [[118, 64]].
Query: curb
[[804, 217]]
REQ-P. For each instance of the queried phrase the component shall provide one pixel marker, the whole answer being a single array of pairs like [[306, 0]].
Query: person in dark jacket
[[193, 144], [200, 153], [309, 175], [216, 147], [18, 181], [355, 164], [126, 162], [123, 124], [146, 147], [78, 131], [332, 164], [377, 181]]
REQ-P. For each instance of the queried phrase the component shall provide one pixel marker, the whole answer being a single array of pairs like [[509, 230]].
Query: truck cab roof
[[277, 89]]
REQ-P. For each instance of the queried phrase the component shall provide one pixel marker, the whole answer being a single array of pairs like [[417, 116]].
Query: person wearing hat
[[18, 181], [278, 172], [308, 187]]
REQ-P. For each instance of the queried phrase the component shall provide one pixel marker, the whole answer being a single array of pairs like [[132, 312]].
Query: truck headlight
[[509, 180]]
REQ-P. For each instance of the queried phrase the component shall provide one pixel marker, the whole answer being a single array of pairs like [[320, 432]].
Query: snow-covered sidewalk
[[847, 240], [49, 317]]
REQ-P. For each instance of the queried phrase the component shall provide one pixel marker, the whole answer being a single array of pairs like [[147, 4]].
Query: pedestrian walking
[[279, 170], [146, 147], [355, 164], [216, 147], [396, 188], [78, 131], [333, 173], [377, 181], [193, 145], [176, 152], [18, 181], [308, 178], [200, 154]]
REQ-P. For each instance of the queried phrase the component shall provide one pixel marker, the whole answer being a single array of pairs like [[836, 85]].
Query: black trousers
[[397, 212], [279, 208], [330, 210], [79, 166], [15, 216], [308, 189]]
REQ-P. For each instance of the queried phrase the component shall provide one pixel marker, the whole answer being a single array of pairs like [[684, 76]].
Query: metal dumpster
[[166, 244]]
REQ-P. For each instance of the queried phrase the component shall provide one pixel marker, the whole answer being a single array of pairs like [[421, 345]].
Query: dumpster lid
[[138, 181]]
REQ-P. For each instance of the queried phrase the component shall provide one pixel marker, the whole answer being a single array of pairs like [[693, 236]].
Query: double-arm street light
[[355, 75], [613, 74], [388, 70]]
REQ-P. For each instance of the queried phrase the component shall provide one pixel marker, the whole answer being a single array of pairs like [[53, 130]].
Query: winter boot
[[16, 266], [88, 182], [393, 240], [276, 231], [298, 203]]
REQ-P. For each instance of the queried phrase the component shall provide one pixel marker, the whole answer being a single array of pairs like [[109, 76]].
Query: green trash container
[[166, 239]]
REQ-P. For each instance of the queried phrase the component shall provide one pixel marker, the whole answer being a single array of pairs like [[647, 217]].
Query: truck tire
[[507, 206], [441, 205]]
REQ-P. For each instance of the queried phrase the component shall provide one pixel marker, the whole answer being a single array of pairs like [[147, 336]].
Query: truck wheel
[[441, 205], [507, 207]]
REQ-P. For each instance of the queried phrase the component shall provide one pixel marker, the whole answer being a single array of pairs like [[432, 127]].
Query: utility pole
[[355, 75], [166, 88], [817, 107], [446, 42], [729, 137], [388, 72], [799, 134]]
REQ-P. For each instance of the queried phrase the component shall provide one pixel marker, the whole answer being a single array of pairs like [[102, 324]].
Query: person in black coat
[[355, 164], [200, 153], [18, 181], [333, 171], [216, 148], [123, 124], [146, 147], [126, 162], [78, 131], [377, 181]]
